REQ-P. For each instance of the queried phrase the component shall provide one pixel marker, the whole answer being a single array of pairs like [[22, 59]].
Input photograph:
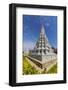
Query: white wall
[[4, 37]]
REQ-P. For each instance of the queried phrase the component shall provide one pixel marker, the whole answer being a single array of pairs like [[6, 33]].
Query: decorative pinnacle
[[42, 30]]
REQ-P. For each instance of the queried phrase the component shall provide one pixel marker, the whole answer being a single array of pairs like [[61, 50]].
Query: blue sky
[[32, 27]]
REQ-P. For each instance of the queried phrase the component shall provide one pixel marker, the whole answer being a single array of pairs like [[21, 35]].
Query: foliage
[[27, 68]]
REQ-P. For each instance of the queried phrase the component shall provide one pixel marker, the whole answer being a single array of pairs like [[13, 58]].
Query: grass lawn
[[53, 69]]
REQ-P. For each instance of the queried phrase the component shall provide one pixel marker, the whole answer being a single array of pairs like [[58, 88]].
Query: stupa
[[43, 51]]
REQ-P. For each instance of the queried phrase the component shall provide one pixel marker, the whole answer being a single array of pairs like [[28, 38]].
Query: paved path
[[34, 65], [50, 64]]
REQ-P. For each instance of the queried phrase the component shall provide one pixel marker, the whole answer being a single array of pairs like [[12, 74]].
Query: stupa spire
[[42, 30], [43, 33]]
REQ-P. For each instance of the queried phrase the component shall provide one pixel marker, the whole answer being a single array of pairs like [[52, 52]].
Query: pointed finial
[[42, 30]]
